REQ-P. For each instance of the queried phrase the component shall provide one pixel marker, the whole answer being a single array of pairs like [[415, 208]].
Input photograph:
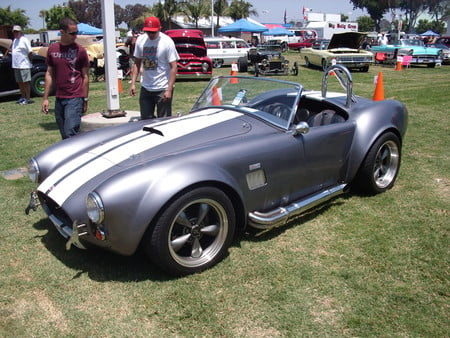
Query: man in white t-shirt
[[21, 63], [155, 52]]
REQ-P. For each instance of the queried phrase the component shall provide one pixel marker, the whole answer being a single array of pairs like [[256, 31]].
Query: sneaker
[[25, 101], [19, 101]]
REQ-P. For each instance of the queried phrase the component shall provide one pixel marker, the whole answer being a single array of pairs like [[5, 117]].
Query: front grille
[[55, 210]]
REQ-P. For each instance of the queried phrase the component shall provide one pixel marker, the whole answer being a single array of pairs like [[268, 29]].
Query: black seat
[[302, 115], [325, 117]]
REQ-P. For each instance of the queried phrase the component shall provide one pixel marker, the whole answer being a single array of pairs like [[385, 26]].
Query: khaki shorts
[[22, 75]]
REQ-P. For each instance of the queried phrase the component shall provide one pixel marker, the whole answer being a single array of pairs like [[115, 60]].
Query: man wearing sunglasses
[[68, 71], [156, 53]]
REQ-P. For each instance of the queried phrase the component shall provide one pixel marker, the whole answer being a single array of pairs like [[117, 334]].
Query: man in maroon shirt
[[68, 69]]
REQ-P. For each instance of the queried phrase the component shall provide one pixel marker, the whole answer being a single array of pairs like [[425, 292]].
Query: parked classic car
[[8, 85], [194, 62], [252, 152], [223, 51], [343, 49], [445, 52], [421, 55], [266, 59], [299, 45]]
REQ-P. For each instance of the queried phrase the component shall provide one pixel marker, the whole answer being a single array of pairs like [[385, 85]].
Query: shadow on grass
[[255, 235], [103, 266], [99, 265]]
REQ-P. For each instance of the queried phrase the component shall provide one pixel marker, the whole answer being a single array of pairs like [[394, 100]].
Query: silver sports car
[[252, 152]]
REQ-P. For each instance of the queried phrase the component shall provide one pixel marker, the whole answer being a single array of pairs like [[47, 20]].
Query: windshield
[[274, 101]]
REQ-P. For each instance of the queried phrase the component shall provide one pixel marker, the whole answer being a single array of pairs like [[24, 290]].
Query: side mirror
[[301, 128]]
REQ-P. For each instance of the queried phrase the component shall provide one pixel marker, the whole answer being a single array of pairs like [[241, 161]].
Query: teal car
[[420, 53]]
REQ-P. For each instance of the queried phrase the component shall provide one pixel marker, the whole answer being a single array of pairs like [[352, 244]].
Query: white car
[[225, 51]]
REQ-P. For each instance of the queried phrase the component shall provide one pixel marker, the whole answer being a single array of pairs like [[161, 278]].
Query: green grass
[[360, 266]]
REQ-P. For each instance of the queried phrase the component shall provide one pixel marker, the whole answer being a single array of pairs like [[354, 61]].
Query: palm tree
[[195, 9], [241, 9], [166, 11], [43, 14], [220, 8]]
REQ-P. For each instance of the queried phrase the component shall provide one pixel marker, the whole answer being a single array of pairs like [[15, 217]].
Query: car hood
[[350, 40], [148, 142]]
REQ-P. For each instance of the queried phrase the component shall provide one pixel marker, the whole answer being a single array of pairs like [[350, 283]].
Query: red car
[[299, 45], [193, 62]]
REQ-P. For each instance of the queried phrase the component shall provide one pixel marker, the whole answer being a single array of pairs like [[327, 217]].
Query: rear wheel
[[381, 165], [242, 64], [193, 233], [38, 84]]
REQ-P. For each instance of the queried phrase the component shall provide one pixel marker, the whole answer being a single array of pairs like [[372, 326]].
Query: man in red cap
[[156, 53]]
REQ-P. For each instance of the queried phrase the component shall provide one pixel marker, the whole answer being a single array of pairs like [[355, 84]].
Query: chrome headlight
[[33, 170], [205, 67], [94, 208]]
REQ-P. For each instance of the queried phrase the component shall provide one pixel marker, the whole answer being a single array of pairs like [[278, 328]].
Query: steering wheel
[[280, 110]]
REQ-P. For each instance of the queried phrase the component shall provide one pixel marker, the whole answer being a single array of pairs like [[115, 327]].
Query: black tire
[[193, 233], [380, 168], [431, 65], [242, 65], [295, 69], [217, 63], [38, 84], [365, 69], [307, 63]]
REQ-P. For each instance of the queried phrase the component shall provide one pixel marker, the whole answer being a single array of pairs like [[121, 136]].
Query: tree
[[220, 9], [365, 24], [195, 10], [240, 9], [412, 9], [43, 14], [134, 16], [55, 14], [375, 8], [166, 11], [16, 17]]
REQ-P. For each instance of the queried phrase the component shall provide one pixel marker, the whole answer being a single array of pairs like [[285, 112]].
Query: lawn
[[360, 266]]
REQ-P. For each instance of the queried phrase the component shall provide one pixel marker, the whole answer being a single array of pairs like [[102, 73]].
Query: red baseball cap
[[152, 24]]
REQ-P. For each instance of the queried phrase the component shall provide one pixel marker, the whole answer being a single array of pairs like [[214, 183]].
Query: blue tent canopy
[[429, 33], [243, 25], [85, 29], [278, 31]]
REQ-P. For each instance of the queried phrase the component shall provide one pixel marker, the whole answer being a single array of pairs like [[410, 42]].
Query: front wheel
[[295, 69], [193, 233], [381, 165]]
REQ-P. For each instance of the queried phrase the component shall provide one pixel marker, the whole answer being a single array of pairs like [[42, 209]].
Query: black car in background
[[8, 84], [266, 59]]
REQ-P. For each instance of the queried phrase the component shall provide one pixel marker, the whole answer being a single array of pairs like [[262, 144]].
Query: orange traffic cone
[[378, 95], [215, 97], [398, 65], [233, 72]]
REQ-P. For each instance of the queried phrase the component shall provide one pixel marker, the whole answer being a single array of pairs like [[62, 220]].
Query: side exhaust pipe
[[282, 215]]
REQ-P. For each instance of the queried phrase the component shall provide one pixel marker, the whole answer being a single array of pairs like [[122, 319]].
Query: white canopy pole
[[109, 45]]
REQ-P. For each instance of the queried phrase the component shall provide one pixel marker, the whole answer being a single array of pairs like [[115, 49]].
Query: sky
[[270, 11]]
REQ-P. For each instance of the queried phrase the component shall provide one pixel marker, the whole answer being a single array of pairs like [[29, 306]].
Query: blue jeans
[[68, 115], [149, 100]]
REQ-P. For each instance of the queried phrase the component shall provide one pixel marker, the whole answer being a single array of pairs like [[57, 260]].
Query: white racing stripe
[[66, 179]]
